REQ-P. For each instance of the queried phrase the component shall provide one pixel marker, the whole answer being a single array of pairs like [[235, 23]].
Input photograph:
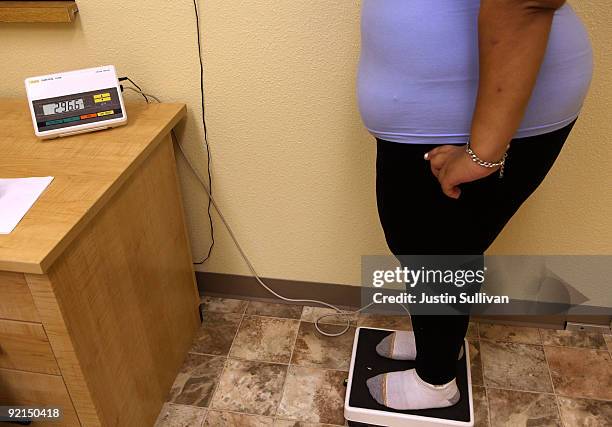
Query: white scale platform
[[361, 410]]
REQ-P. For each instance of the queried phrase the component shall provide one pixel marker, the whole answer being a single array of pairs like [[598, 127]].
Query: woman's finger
[[448, 189], [438, 150], [451, 190], [438, 160], [434, 170]]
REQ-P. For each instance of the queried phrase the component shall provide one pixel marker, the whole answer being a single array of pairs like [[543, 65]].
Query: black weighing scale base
[[361, 410]]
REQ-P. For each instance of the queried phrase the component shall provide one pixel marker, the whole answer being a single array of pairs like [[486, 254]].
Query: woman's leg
[[418, 218]]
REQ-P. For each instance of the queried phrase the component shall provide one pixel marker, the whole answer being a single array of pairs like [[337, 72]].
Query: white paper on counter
[[17, 195]]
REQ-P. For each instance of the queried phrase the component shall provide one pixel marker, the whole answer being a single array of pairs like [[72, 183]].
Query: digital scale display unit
[[75, 102]]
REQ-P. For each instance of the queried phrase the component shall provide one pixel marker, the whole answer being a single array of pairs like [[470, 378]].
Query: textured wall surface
[[293, 167]]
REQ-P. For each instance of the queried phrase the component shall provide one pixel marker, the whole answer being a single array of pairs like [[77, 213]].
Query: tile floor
[[263, 364]]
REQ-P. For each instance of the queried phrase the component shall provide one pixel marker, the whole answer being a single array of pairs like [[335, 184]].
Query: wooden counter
[[98, 302]]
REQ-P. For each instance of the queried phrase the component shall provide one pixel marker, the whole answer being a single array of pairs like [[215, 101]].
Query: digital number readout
[[63, 106]]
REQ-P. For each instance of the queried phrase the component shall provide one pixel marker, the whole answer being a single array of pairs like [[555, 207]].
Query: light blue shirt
[[418, 71]]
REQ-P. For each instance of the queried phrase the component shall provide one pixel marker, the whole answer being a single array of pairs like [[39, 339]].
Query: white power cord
[[338, 311], [244, 256]]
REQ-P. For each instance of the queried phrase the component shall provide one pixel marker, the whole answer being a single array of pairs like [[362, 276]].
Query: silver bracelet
[[484, 163]]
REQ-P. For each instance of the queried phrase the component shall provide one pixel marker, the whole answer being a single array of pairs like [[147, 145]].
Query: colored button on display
[[102, 97], [106, 113], [71, 119], [54, 122], [88, 116]]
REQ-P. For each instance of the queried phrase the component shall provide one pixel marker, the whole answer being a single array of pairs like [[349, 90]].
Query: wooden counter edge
[[38, 11]]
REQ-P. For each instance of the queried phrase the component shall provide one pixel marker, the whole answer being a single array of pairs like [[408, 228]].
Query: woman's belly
[[418, 71]]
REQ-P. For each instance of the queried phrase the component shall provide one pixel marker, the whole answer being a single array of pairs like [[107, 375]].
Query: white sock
[[405, 390], [400, 345]]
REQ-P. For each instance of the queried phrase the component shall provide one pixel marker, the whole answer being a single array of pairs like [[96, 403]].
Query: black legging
[[418, 219]]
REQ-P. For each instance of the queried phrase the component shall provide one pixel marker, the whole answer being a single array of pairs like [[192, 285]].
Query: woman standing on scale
[[457, 92]]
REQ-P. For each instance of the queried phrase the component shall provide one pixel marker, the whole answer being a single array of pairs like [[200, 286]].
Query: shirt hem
[[462, 138]]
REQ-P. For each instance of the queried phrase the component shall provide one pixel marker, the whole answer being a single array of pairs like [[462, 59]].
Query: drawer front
[[25, 346], [31, 389], [16, 302]]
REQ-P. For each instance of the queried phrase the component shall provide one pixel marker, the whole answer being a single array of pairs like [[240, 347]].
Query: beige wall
[[292, 165]]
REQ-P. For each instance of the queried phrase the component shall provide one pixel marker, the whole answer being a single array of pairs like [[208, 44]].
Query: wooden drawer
[[16, 302], [27, 388], [25, 346]]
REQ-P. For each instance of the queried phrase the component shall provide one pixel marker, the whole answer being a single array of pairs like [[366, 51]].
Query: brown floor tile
[[385, 321], [481, 407], [506, 333], [578, 372], [475, 362], [268, 339], [230, 419], [173, 415], [472, 331], [585, 412], [314, 395], [310, 314], [287, 423], [196, 380], [517, 409], [250, 387], [216, 333], [272, 309], [573, 339], [224, 305], [332, 329], [608, 339], [316, 350], [515, 366]]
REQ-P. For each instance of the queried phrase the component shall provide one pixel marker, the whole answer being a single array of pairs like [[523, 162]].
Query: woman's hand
[[452, 166]]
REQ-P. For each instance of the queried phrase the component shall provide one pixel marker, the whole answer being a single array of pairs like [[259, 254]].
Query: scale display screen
[[63, 106], [77, 109]]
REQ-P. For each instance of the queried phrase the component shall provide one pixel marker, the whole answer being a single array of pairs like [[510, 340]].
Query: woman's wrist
[[489, 151], [499, 163]]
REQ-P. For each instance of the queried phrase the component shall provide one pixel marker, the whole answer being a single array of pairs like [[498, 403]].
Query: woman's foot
[[400, 345], [405, 390]]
